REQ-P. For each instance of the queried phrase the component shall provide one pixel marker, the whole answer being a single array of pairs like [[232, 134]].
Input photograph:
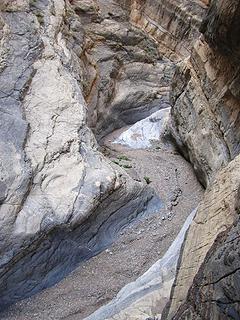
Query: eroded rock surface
[[58, 193], [215, 290], [207, 282], [72, 69], [146, 296], [205, 98], [173, 24], [216, 213], [139, 243], [67, 66]]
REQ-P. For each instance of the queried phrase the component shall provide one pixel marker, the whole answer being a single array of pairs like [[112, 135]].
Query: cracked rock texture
[[216, 213], [215, 291], [73, 70], [58, 193]]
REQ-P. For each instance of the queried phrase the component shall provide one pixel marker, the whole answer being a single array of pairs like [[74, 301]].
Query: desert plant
[[148, 180]]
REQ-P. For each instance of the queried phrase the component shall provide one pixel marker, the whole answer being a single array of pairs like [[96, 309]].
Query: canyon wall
[[62, 201], [69, 69], [205, 124], [174, 25], [205, 95]]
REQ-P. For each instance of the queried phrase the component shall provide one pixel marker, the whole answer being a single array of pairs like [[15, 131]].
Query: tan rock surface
[[205, 95], [216, 212]]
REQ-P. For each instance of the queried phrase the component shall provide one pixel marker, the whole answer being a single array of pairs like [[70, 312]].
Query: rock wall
[[205, 95], [67, 67], [205, 124], [217, 212], [215, 290], [61, 200], [174, 25], [123, 78]]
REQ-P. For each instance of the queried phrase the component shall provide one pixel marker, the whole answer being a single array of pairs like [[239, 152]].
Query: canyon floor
[[141, 243]]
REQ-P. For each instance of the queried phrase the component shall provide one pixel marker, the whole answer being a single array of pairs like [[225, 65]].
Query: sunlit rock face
[[56, 189], [145, 132]]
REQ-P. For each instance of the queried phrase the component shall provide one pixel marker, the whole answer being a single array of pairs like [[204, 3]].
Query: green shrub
[[148, 180], [125, 158]]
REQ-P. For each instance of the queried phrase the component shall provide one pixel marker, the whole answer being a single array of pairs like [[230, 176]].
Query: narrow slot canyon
[[119, 173]]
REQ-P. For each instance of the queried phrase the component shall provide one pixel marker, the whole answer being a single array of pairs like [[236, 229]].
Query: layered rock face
[[69, 69], [173, 24], [215, 216], [205, 113], [124, 79], [61, 200], [205, 123], [215, 290], [65, 67]]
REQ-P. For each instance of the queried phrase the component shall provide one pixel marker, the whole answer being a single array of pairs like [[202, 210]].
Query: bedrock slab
[[215, 216], [146, 296]]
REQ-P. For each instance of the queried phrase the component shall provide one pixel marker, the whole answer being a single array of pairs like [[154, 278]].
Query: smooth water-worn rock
[[72, 69], [147, 131], [59, 195], [146, 296], [123, 77], [216, 213]]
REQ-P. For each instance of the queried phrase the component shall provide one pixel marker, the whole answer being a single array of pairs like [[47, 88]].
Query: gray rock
[[148, 294], [61, 201]]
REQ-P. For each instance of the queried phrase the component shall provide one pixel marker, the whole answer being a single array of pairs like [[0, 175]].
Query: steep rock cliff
[[205, 123], [174, 25], [58, 193], [216, 213], [69, 65], [205, 95]]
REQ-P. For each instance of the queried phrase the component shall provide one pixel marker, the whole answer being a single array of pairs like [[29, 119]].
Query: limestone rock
[[58, 193], [147, 131], [205, 114], [216, 214]]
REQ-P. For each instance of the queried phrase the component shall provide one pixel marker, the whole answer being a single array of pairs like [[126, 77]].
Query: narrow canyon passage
[[139, 244], [119, 159], [105, 74]]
